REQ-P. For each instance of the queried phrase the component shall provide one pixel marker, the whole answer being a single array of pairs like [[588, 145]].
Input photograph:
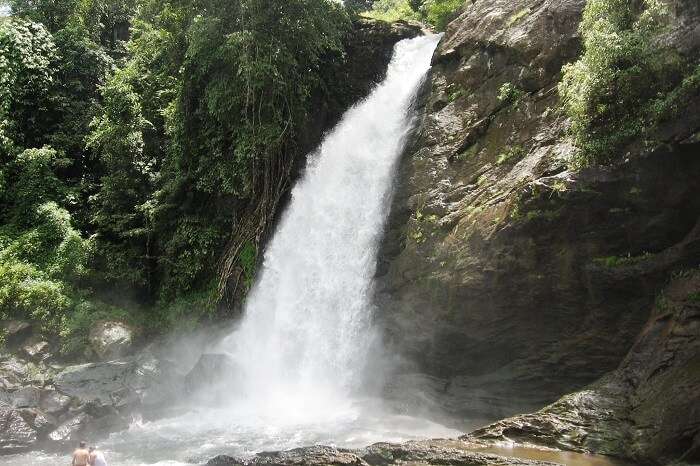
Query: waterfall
[[307, 327], [300, 352]]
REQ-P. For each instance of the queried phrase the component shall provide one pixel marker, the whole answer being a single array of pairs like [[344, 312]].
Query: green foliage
[[510, 155], [49, 88], [456, 93], [27, 293], [186, 311], [27, 53], [392, 10], [107, 21], [248, 258], [620, 261], [620, 87], [38, 267], [439, 13], [509, 94], [104, 21], [517, 16], [33, 182], [670, 105], [54, 14], [243, 95], [357, 6]]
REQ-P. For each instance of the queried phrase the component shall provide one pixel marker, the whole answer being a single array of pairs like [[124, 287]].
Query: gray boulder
[[122, 384], [13, 372], [101, 384], [25, 397], [111, 339], [43, 423]]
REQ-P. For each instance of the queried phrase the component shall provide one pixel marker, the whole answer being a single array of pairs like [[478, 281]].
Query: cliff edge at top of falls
[[507, 278]]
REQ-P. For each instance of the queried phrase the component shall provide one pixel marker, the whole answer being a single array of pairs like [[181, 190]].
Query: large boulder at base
[[102, 384], [25, 397], [123, 384], [212, 372], [16, 432], [648, 410], [111, 339]]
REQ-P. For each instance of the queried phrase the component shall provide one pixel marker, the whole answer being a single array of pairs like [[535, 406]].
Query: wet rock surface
[[16, 431], [412, 453]]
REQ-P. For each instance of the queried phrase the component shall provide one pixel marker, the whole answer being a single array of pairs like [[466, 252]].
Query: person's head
[[82, 444], [92, 449]]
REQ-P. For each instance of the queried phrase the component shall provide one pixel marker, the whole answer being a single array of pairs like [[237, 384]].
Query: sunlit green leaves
[[610, 93]]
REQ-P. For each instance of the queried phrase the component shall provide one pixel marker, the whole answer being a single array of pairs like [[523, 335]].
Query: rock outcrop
[[508, 279], [648, 409], [111, 339], [382, 454], [47, 406]]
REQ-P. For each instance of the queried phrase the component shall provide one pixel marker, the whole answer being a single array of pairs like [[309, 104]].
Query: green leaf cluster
[[139, 139], [437, 13], [620, 88]]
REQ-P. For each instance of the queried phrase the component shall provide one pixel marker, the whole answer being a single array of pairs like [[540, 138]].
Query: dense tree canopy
[[139, 140]]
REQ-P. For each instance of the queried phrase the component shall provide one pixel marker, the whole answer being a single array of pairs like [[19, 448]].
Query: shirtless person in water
[[81, 456]]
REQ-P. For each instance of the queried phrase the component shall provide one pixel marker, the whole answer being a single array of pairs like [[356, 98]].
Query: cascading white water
[[304, 341], [307, 328]]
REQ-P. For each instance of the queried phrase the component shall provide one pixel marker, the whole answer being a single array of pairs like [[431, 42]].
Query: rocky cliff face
[[508, 279]]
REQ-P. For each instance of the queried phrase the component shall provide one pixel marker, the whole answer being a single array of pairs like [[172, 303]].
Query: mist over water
[[302, 349]]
